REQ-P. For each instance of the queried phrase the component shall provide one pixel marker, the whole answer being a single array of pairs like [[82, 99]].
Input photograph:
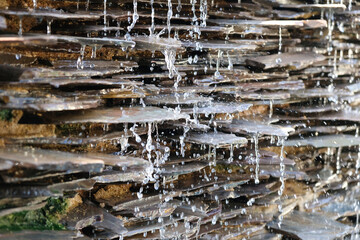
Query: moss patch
[[46, 218], [5, 115]]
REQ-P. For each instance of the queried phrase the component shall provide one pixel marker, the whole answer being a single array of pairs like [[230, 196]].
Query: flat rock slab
[[45, 39], [339, 140], [309, 226], [248, 127], [267, 158], [343, 115], [71, 186], [219, 107], [172, 99], [276, 85], [47, 104], [215, 139], [88, 214], [314, 6], [116, 176], [270, 23], [120, 115], [293, 60], [42, 159], [156, 43], [50, 14]]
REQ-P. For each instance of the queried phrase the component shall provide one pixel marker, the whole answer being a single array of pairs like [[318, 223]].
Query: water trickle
[[193, 8], [282, 174], [169, 16], [230, 66], [331, 23], [338, 160], [48, 27], [203, 12], [179, 6], [152, 27], [105, 16], [280, 40], [133, 130], [87, 5], [93, 51], [149, 146], [170, 58], [182, 143], [34, 4], [231, 157], [257, 158], [217, 72], [20, 32], [134, 18], [80, 60], [357, 202]]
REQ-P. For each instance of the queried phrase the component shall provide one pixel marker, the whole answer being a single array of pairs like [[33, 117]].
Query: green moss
[[224, 168], [72, 129], [46, 218], [5, 115]]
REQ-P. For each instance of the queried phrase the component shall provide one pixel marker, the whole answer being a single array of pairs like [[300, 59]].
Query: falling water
[[149, 141], [170, 58], [217, 72], [179, 6], [20, 32], [338, 161], [152, 27], [282, 173], [80, 60], [135, 17], [105, 16], [48, 27], [257, 158], [182, 143], [87, 5], [203, 12], [231, 157], [280, 40], [169, 16]]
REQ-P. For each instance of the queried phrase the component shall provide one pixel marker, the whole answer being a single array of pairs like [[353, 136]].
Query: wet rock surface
[[205, 119]]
